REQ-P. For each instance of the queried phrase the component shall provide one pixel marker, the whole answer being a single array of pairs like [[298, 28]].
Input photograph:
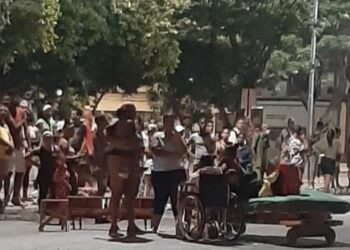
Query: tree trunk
[[339, 94], [97, 102]]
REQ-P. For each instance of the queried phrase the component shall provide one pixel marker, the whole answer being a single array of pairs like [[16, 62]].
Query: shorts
[[327, 166], [18, 161], [126, 170], [4, 168]]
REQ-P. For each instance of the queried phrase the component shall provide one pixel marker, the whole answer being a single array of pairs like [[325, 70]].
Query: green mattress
[[307, 201]]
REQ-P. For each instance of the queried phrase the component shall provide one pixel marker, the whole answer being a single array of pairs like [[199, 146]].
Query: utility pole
[[311, 101]]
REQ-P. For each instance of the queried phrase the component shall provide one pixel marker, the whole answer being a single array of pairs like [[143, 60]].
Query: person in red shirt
[[60, 185], [87, 147]]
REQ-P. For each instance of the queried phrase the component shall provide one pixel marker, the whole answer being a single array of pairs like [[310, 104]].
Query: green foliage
[[4, 13], [226, 45], [31, 29], [333, 43], [90, 44], [149, 32], [204, 50]]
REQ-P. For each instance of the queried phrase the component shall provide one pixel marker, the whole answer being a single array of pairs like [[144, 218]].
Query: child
[[61, 176], [61, 185]]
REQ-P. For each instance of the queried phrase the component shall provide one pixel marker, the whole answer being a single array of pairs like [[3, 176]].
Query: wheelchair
[[210, 211]]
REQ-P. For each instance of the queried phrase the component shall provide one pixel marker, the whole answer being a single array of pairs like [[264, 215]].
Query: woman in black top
[[47, 154]]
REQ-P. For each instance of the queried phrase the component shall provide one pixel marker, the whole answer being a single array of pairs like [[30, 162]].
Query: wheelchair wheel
[[191, 218], [235, 219]]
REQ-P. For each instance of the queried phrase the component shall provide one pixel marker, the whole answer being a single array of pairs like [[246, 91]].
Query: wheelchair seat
[[213, 190]]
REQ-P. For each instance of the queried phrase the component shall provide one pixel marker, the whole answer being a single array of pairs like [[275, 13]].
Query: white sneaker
[[168, 207]]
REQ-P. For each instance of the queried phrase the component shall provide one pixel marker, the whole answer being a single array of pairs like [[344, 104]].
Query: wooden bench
[[90, 207], [143, 210], [54, 209], [81, 207]]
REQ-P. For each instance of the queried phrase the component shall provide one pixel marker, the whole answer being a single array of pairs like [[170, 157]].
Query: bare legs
[[148, 185], [335, 179], [327, 182], [116, 187], [122, 184]]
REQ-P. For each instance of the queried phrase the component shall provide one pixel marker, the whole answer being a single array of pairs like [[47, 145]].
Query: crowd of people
[[131, 158]]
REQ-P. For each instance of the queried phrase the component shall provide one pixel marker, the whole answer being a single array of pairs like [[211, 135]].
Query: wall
[[277, 112]]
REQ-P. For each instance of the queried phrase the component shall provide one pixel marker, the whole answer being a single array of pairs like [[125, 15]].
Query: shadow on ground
[[134, 240], [302, 243]]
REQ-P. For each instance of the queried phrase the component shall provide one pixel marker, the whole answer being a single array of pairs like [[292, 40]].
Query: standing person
[[100, 145], [260, 145], [18, 127], [123, 165], [335, 180], [237, 131], [148, 166], [168, 149], [60, 181], [45, 123], [223, 142], [142, 141], [304, 138], [296, 148], [34, 137], [313, 156], [286, 134], [205, 146], [66, 133], [47, 153], [6, 149], [86, 150], [87, 147], [248, 130], [330, 150], [348, 159], [244, 154], [78, 137]]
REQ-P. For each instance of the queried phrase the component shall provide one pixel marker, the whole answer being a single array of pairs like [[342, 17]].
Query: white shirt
[[161, 163], [295, 149], [233, 136], [200, 148]]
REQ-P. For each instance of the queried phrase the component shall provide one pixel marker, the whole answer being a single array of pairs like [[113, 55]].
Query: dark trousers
[[165, 186], [44, 189], [73, 180]]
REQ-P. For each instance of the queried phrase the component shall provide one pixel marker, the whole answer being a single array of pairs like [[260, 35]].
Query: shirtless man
[[6, 148], [100, 145], [123, 167]]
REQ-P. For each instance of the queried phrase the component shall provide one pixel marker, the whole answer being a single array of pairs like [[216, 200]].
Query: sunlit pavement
[[19, 230], [24, 235]]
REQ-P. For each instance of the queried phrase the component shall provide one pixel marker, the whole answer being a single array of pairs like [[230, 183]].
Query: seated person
[[228, 166]]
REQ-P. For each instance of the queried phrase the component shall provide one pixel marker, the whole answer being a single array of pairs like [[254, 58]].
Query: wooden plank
[[291, 222]]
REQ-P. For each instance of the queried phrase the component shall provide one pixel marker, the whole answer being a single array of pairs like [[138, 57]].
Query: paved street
[[25, 236]]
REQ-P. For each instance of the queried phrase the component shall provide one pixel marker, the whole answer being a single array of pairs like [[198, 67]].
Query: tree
[[99, 45], [30, 29], [226, 45], [332, 53], [4, 13]]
